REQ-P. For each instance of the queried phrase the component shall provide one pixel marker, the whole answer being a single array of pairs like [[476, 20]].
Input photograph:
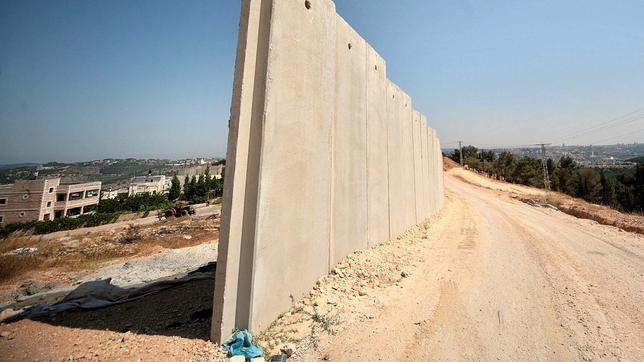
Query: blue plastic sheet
[[241, 344]]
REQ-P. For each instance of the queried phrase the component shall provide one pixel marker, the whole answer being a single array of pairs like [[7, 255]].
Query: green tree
[[188, 189], [528, 172], [504, 166], [624, 192], [470, 154], [590, 185], [608, 191], [567, 174], [638, 187], [487, 156], [175, 189]]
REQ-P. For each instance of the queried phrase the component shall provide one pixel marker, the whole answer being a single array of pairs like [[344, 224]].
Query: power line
[[629, 133], [627, 118]]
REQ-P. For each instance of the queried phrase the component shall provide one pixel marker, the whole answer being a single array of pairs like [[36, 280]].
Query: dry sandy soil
[[489, 278]]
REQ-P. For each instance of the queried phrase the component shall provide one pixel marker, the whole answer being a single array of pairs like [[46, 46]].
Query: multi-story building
[[147, 185], [46, 199]]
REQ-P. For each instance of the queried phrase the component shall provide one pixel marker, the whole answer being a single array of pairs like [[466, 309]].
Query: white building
[[147, 185], [112, 194]]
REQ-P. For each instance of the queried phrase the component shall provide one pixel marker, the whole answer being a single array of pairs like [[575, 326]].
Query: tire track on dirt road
[[593, 278]]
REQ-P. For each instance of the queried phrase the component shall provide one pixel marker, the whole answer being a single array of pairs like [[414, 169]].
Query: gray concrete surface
[[325, 157], [377, 150], [349, 198]]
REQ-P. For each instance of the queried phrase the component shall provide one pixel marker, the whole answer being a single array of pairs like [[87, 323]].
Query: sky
[[83, 80]]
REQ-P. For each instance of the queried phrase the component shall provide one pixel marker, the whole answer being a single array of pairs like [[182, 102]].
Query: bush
[[138, 203], [66, 223]]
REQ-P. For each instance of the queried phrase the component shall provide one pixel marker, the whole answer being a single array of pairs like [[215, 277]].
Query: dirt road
[[502, 280]]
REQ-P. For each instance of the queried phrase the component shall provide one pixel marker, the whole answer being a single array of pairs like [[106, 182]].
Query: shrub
[[67, 223]]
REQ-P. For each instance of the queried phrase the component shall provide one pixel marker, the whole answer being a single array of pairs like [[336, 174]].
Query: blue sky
[[83, 80]]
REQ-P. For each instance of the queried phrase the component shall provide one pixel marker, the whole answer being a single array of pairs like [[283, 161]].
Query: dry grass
[[89, 252]]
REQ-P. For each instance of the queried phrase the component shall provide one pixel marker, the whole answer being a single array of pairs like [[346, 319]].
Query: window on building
[[74, 211], [48, 203], [3, 201], [91, 193], [46, 217], [1, 219], [51, 190], [75, 196], [61, 197], [58, 214]]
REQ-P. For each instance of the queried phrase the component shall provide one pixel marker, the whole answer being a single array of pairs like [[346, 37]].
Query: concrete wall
[[325, 156], [349, 197], [377, 150]]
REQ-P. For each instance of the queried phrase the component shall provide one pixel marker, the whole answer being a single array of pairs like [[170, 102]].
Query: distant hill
[[636, 159], [110, 171], [17, 165]]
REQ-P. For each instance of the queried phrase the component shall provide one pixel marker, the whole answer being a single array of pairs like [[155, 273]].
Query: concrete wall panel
[[292, 234], [440, 189], [409, 190], [418, 167], [432, 170], [349, 225], [325, 156], [248, 88], [424, 189], [377, 149], [396, 161]]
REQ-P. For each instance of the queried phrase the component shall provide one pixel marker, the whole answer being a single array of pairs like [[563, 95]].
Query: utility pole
[[460, 147], [546, 177]]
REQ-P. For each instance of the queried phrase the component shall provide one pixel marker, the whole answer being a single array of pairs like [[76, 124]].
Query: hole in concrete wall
[[349, 45], [307, 4], [375, 67]]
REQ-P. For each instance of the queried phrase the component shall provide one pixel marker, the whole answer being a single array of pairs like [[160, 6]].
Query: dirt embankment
[[448, 164], [565, 203], [602, 214]]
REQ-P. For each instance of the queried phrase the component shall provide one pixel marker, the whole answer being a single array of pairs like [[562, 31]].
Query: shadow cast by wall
[[184, 310]]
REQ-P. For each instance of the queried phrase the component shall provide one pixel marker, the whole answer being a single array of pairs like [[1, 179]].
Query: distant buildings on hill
[[150, 185], [46, 198]]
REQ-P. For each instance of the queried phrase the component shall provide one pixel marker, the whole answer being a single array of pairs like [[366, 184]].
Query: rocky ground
[[130, 255]]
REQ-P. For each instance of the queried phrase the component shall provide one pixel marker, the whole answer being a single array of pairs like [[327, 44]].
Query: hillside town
[[50, 193]]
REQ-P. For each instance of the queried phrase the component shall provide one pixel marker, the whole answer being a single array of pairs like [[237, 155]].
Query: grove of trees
[[623, 191], [200, 189]]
